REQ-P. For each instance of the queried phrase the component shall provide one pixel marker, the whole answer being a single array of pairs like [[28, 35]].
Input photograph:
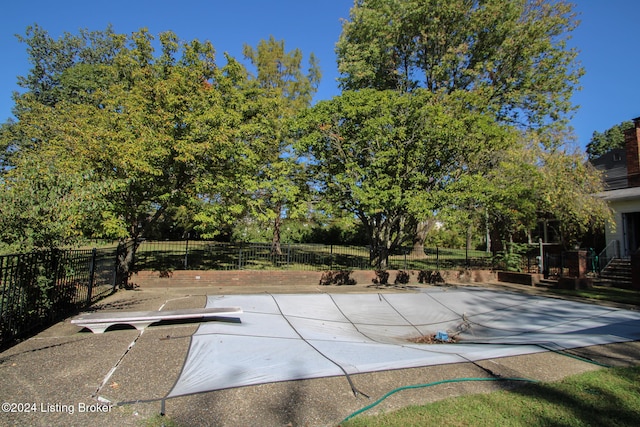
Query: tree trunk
[[379, 252], [126, 254], [275, 242], [422, 229], [488, 231], [378, 256]]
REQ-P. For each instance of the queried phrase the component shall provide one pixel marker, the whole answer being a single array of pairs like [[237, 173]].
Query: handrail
[[616, 251], [603, 255]]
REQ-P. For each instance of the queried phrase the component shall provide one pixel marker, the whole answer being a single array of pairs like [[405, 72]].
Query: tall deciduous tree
[[384, 156], [568, 188], [153, 133], [511, 53], [526, 183], [511, 56], [283, 89]]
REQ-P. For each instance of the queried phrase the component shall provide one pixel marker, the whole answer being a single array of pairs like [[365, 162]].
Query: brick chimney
[[631, 138]]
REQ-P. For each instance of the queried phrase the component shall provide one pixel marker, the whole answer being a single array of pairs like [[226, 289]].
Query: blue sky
[[607, 38]]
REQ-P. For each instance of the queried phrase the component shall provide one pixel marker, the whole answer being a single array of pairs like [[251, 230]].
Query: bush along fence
[[39, 288], [165, 256]]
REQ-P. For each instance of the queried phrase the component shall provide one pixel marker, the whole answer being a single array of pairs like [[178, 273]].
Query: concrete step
[[547, 283], [617, 273]]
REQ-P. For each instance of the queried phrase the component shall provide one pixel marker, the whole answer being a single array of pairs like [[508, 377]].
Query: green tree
[[155, 133], [526, 183], [44, 206], [602, 142], [568, 188], [512, 53], [385, 156], [51, 58], [502, 194], [511, 56], [284, 90]]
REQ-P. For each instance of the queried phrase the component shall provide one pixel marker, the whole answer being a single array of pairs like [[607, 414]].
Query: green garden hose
[[366, 408], [457, 380]]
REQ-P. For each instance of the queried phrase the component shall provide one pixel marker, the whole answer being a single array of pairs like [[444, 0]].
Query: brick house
[[621, 168]]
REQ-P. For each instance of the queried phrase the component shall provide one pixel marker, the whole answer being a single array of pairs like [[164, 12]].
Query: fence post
[[92, 274], [541, 263], [57, 283], [331, 258], [116, 265], [186, 253], [437, 258], [545, 266], [466, 255]]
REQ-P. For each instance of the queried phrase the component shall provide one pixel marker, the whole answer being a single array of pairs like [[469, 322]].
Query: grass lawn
[[167, 255], [605, 397]]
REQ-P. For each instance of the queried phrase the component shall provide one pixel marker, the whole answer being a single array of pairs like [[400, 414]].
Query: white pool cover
[[288, 337]]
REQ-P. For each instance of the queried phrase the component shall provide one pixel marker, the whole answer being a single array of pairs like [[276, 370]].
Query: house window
[[617, 157]]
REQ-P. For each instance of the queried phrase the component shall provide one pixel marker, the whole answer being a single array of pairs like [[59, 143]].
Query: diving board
[[99, 322]]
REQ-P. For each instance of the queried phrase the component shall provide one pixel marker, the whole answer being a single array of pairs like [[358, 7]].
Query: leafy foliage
[[526, 184], [131, 136], [512, 63], [338, 278], [108, 141], [402, 278], [513, 53], [382, 277], [602, 142], [385, 156], [511, 258], [281, 91]]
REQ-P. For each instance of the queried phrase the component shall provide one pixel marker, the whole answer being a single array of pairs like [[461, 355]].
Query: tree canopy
[[145, 132], [527, 184], [148, 130], [384, 156], [512, 53], [283, 90], [602, 142], [512, 62], [447, 106]]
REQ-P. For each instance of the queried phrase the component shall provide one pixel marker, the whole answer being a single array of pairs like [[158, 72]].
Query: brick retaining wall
[[190, 278]]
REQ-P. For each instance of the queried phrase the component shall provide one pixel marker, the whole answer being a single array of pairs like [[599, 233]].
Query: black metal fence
[[556, 265], [208, 255], [41, 287]]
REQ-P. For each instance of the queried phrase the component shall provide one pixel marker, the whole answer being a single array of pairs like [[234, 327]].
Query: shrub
[[402, 278], [382, 277], [430, 277], [338, 278]]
